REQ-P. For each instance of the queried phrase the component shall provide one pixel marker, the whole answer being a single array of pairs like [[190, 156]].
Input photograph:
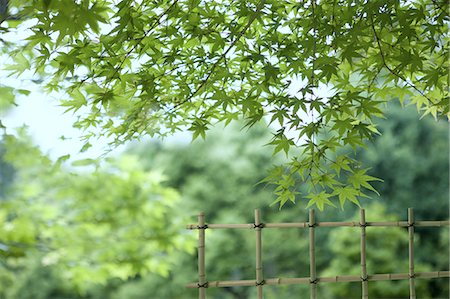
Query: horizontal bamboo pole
[[220, 226], [431, 223], [326, 224], [307, 280], [286, 225]]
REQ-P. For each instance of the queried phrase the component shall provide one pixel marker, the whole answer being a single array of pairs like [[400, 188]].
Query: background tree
[[227, 165], [115, 222], [6, 173], [157, 67], [412, 156], [219, 176], [213, 165]]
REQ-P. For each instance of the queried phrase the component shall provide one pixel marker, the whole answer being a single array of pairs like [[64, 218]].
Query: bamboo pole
[[340, 278], [312, 257], [412, 286], [202, 284], [259, 273], [286, 225], [326, 224], [364, 282]]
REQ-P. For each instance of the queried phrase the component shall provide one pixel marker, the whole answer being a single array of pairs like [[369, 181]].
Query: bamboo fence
[[313, 280]]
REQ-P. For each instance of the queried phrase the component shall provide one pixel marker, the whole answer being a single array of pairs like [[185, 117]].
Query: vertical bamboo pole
[[412, 287], [259, 272], [364, 284], [312, 257], [201, 257]]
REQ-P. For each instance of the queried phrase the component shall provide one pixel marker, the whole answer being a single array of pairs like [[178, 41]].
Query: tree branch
[[5, 16], [439, 6], [211, 71], [383, 59], [4, 8], [153, 26]]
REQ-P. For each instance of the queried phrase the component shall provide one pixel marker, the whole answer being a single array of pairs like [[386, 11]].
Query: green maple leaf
[[360, 179], [320, 200], [347, 193]]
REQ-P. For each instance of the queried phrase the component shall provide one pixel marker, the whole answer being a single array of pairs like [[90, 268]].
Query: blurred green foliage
[[220, 177], [115, 221]]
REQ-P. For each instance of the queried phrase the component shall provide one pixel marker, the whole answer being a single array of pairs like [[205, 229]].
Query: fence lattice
[[259, 282]]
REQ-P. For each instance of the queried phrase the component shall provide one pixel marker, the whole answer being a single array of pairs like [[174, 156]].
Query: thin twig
[[153, 26], [211, 71], [383, 58], [439, 6]]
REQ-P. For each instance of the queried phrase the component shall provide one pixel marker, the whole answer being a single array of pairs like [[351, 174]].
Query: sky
[[41, 113], [47, 122]]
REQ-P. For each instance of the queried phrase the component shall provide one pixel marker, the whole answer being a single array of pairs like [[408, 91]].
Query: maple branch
[[153, 26], [211, 71], [369, 86], [383, 59], [313, 4], [4, 13], [439, 6]]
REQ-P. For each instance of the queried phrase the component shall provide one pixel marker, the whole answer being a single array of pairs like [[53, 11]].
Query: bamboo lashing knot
[[366, 278], [311, 224], [262, 282], [363, 224], [203, 285], [412, 275], [261, 225], [202, 227], [314, 281], [411, 224]]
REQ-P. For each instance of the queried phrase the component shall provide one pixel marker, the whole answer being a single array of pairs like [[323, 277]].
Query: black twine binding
[[363, 224], [410, 224], [261, 225], [315, 281], [203, 285], [311, 225], [262, 282], [202, 227], [364, 278], [412, 275]]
